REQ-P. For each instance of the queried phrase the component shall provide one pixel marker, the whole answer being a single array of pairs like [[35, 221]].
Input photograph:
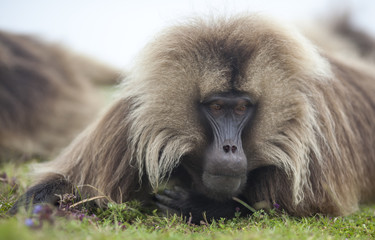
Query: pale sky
[[115, 30]]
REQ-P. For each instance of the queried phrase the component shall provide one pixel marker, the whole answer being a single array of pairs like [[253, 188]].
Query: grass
[[129, 221]]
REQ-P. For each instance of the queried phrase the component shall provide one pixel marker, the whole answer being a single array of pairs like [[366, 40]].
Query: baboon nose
[[228, 148]]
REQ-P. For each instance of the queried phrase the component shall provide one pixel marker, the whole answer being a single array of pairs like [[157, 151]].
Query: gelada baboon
[[46, 96], [235, 107]]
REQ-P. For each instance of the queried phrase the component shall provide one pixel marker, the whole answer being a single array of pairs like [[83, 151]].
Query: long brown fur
[[310, 147], [47, 96]]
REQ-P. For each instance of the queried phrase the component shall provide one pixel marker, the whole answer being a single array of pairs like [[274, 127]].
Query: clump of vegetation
[[8, 192], [75, 220]]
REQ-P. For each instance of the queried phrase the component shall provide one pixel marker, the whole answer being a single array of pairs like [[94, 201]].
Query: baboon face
[[224, 161], [209, 91]]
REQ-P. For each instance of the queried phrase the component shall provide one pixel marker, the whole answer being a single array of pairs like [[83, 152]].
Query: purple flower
[[81, 216], [277, 206], [37, 209], [29, 222]]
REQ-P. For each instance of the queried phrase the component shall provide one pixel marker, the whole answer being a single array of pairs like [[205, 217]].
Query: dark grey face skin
[[225, 163]]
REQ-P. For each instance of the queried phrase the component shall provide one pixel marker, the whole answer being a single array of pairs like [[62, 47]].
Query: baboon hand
[[172, 202], [195, 207]]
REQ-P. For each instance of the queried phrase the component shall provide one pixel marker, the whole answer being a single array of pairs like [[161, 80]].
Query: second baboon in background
[[47, 96]]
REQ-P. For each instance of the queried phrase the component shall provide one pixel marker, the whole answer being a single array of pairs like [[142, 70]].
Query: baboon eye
[[215, 107], [240, 109]]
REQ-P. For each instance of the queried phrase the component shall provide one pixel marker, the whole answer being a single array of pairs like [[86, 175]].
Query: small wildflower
[[81, 216], [237, 209], [121, 225], [29, 222], [37, 209], [277, 206]]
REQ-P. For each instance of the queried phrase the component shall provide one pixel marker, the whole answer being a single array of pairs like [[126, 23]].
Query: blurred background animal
[[47, 95]]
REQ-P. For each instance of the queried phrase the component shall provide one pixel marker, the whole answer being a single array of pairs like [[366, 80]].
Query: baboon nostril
[[226, 148], [234, 149]]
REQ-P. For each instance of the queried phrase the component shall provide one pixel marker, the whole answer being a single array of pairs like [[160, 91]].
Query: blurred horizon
[[114, 31]]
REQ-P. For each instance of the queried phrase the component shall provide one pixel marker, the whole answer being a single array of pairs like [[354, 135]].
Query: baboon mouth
[[223, 186]]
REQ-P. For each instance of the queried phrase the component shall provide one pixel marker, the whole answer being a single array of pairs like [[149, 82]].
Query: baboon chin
[[229, 107]]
